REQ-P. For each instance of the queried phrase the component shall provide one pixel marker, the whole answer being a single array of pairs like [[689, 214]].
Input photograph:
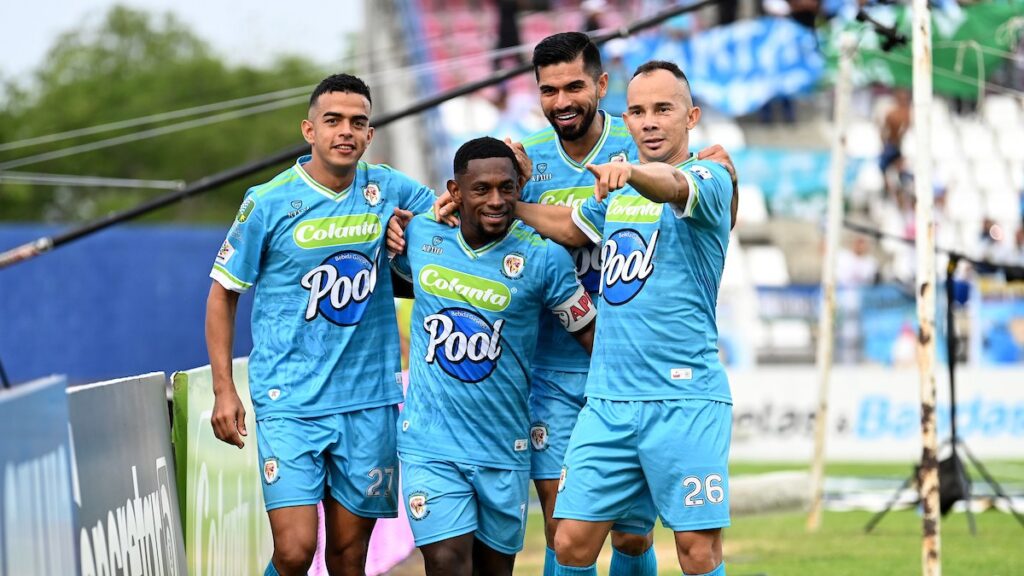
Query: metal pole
[[928, 481], [826, 317]]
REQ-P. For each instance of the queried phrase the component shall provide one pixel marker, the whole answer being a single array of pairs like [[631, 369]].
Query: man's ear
[[453, 189], [693, 117], [307, 130]]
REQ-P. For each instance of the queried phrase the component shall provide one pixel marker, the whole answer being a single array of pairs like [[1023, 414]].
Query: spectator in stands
[[894, 127], [592, 11], [856, 265], [614, 101]]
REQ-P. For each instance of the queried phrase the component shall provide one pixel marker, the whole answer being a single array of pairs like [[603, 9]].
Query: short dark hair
[[652, 65], [340, 83], [481, 148], [565, 47]]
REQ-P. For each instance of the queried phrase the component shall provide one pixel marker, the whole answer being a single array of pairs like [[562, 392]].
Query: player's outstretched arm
[[228, 418], [554, 222], [660, 182]]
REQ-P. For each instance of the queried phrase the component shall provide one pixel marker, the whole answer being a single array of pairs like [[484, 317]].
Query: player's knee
[[441, 559], [294, 557], [699, 555], [349, 558], [632, 544], [571, 550]]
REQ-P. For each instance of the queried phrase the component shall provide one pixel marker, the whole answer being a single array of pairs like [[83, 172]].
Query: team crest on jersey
[[628, 263], [463, 344], [513, 264], [371, 192], [274, 393], [539, 436], [246, 210], [619, 156], [561, 479], [340, 287], [701, 172], [418, 506], [225, 253], [270, 470]]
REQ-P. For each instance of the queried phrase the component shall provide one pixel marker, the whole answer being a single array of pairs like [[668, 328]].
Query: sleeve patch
[[701, 172], [225, 253]]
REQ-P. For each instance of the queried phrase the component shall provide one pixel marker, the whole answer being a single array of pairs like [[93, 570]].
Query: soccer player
[[465, 435], [654, 436], [324, 372]]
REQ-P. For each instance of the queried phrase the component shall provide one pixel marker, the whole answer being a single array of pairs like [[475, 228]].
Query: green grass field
[[778, 545]]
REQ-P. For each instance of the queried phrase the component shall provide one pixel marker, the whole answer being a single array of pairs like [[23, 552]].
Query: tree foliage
[[135, 64]]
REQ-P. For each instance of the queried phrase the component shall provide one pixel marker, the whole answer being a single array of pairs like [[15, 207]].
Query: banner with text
[[874, 413], [37, 518], [128, 515]]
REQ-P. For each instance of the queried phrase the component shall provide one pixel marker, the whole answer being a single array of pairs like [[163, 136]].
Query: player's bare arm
[[554, 222], [586, 336], [396, 231], [228, 418]]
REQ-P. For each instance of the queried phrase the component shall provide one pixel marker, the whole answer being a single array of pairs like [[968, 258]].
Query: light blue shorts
[[353, 453], [631, 461], [556, 399], [447, 499]]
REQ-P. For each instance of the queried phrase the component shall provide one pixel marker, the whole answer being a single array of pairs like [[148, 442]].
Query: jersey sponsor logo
[[681, 373], [587, 260], [225, 253], [246, 210], [371, 193], [418, 506], [572, 197], [340, 288], [634, 209], [701, 172], [270, 470], [297, 209], [463, 344], [461, 287], [337, 231], [434, 247], [541, 175], [513, 264], [628, 263], [539, 436]]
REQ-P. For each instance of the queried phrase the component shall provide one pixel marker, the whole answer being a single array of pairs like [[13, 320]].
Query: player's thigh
[[450, 557], [346, 532], [502, 500], [602, 479], [439, 500], [487, 560], [363, 463], [556, 399], [685, 455], [292, 466]]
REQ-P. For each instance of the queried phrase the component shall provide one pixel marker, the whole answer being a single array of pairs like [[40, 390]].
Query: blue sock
[[271, 571], [549, 562], [623, 564], [574, 571], [720, 571]]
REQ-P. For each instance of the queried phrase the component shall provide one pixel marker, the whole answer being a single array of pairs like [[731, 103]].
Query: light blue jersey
[[657, 338], [474, 328], [325, 338], [558, 179]]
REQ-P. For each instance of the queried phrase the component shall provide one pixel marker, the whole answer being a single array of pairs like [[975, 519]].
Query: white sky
[[248, 31]]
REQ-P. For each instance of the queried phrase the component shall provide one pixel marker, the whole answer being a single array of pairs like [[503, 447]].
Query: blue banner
[[128, 300], [37, 517], [737, 68]]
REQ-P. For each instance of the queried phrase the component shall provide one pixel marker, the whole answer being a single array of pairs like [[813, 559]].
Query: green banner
[[226, 528], [967, 45]]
